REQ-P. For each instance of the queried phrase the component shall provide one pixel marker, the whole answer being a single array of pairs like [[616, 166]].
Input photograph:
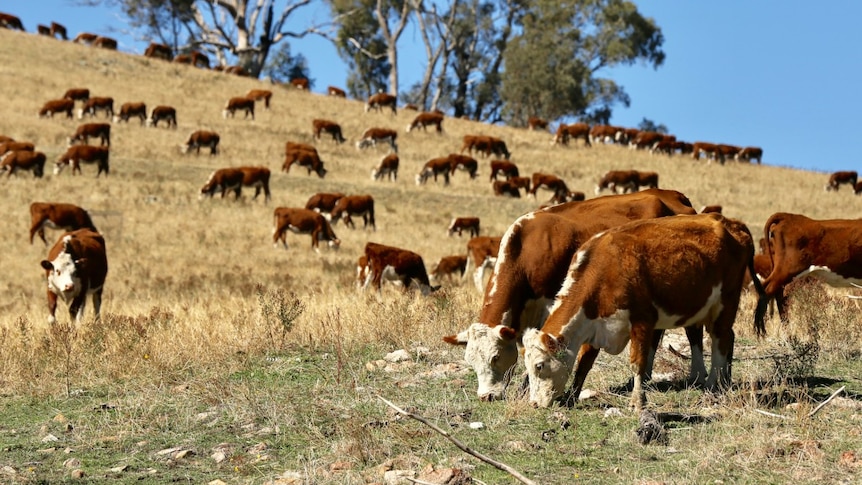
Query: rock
[[400, 355], [477, 425], [78, 473], [398, 477], [613, 413], [49, 438], [72, 463], [119, 469]]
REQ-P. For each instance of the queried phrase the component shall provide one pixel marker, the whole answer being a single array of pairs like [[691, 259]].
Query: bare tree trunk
[[391, 36], [433, 54]]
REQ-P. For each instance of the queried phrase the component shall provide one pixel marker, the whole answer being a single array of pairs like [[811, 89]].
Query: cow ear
[[554, 345], [459, 339], [81, 263], [47, 265], [507, 333]]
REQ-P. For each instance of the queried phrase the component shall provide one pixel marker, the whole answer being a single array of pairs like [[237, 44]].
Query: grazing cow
[[260, 94], [461, 224], [354, 205], [505, 188], [843, 177], [58, 29], [422, 120], [521, 183], [381, 100], [76, 154], [237, 71], [463, 162], [134, 109], [96, 104], [857, 189], [85, 38], [337, 92], [536, 123], [327, 126], [627, 180], [23, 160], [304, 158], [683, 147], [711, 208], [395, 264], [53, 215], [159, 51], [606, 134], [504, 167], [450, 267], [551, 182], [14, 146], [166, 113], [300, 83], [77, 94], [239, 103], [105, 43], [486, 145], [481, 257], [373, 136], [434, 167], [102, 131], [11, 22], [535, 252], [646, 140], [648, 180], [183, 59], [303, 221], [57, 106], [388, 167], [829, 250], [225, 180], [574, 131], [201, 139], [710, 150], [76, 266], [612, 295], [43, 30], [323, 202], [750, 153], [726, 152]]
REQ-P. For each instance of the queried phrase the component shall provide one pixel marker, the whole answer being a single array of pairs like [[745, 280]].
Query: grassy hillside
[[212, 336]]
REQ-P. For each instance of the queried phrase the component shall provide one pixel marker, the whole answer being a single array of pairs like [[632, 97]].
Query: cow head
[[63, 273], [549, 362], [492, 352]]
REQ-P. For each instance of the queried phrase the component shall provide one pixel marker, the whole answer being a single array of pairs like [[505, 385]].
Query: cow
[[504, 167], [43, 30], [461, 224], [857, 189], [337, 92], [464, 163], [77, 94], [55, 215], [750, 153], [304, 158], [373, 136], [225, 180], [536, 123], [388, 167], [57, 106], [486, 145], [4, 139], [84, 132], [843, 177], [105, 43], [76, 154], [183, 59], [646, 140], [683, 147], [505, 188], [551, 182], [627, 180], [202, 139], [85, 38], [711, 208], [58, 29], [481, 257], [159, 51], [300, 83], [726, 152], [829, 250], [535, 252], [710, 150], [11, 22], [450, 267], [574, 131], [239, 103], [237, 71], [606, 134], [166, 113], [323, 202], [613, 295], [260, 94], [327, 126], [381, 100], [76, 266], [648, 180], [23, 160], [96, 104], [303, 221], [354, 205], [132, 109], [434, 167], [395, 264], [424, 119], [14, 146]]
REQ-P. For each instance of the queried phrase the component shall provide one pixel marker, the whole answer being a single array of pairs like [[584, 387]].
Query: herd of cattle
[[567, 280]]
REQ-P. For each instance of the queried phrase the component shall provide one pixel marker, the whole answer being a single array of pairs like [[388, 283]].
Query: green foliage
[[650, 125], [283, 67]]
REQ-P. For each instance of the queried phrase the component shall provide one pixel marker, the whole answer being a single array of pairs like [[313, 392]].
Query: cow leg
[[638, 361], [279, 234], [38, 227], [52, 307], [586, 358], [722, 349], [97, 304], [697, 373], [76, 309]]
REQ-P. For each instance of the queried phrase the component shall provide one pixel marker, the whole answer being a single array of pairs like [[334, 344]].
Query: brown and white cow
[[395, 264], [449, 267], [84, 132], [646, 140], [373, 136], [463, 163], [505, 188], [304, 158], [168, 114], [486, 145], [303, 221], [504, 167], [58, 30], [14, 146], [76, 266], [43, 30], [260, 94], [648, 180], [551, 182], [461, 224], [239, 103], [132, 109], [202, 139], [105, 43], [159, 51], [95, 104], [23, 160], [843, 177], [55, 215], [11, 22], [829, 250], [536, 123], [750, 153], [300, 83], [534, 254], [606, 134], [76, 154], [627, 180], [335, 91], [77, 94], [574, 131], [381, 100], [57, 106], [727, 152], [481, 257], [85, 38], [234, 179], [612, 295], [323, 202], [354, 205], [424, 119], [433, 168], [710, 150], [326, 126], [388, 167]]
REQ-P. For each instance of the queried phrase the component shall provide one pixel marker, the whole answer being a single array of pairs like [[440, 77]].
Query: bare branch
[[824, 403], [364, 51]]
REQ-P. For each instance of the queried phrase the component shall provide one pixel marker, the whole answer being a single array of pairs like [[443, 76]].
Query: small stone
[[72, 463], [78, 473], [400, 355], [49, 438], [477, 425]]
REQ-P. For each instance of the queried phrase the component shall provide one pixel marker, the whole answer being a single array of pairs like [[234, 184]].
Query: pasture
[[220, 357]]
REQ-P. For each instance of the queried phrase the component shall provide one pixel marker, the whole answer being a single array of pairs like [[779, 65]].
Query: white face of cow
[[63, 279], [491, 355], [548, 369]]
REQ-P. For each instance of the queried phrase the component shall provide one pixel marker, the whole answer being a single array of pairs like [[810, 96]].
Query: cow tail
[[762, 299]]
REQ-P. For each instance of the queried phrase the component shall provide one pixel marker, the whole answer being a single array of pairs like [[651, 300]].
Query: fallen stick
[[824, 403]]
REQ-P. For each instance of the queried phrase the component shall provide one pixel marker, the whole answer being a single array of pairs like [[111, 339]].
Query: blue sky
[[784, 76]]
